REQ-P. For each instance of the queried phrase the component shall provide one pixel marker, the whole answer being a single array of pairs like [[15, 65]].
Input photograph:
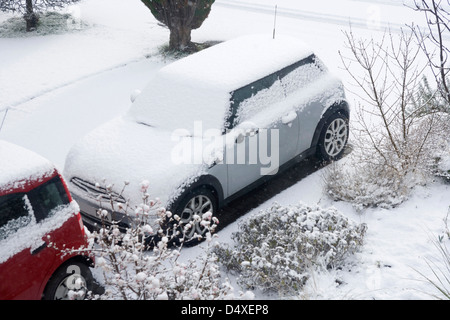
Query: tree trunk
[[30, 17], [180, 37]]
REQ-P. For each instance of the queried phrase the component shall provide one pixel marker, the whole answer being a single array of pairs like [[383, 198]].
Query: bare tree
[[432, 41], [31, 8], [393, 136], [389, 82]]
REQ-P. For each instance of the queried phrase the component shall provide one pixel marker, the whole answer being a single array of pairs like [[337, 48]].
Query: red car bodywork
[[25, 274]]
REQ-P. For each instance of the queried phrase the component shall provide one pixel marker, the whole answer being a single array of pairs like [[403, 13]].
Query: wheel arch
[[341, 106], [205, 181], [83, 259]]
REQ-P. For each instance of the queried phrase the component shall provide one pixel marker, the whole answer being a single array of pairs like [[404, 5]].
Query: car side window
[[15, 213], [254, 98]]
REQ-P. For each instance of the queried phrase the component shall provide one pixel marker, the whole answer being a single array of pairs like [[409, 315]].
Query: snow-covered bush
[[435, 104], [364, 185], [275, 249], [440, 162], [49, 23], [396, 132], [31, 9], [135, 265]]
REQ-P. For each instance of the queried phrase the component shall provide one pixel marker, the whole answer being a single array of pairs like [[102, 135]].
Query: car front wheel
[[195, 214]]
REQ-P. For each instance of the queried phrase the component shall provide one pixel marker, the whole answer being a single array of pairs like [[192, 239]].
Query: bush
[[134, 268], [49, 23], [399, 125], [275, 249], [365, 185]]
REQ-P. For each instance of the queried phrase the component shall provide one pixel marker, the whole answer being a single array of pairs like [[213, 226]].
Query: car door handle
[[39, 249]]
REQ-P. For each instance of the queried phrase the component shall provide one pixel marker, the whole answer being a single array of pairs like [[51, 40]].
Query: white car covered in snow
[[212, 126]]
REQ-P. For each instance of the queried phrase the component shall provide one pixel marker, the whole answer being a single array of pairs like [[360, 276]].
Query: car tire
[[333, 137], [197, 202], [73, 277]]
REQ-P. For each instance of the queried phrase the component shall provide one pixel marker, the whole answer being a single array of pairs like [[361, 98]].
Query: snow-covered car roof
[[198, 87], [235, 63], [19, 166]]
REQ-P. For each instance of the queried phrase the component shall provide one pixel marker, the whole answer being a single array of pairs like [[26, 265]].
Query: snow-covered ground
[[56, 88]]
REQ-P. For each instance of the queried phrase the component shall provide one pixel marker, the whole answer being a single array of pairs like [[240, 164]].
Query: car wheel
[[190, 229], [72, 281], [333, 138]]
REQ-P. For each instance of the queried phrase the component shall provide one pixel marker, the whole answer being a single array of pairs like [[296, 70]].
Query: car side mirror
[[134, 94]]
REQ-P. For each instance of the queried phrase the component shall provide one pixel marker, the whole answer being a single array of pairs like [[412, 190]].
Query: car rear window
[[301, 74], [262, 94], [46, 198], [18, 210]]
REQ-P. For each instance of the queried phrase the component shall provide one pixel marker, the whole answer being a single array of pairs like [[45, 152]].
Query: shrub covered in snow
[[135, 268], [439, 163], [275, 249], [364, 185], [49, 23], [398, 126]]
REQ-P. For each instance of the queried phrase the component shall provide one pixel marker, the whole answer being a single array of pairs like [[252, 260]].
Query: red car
[[40, 224]]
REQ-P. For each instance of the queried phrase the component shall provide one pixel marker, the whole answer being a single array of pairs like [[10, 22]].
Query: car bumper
[[92, 220]]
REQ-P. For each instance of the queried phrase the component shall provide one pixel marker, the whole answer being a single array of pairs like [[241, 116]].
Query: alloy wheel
[[336, 137], [191, 217]]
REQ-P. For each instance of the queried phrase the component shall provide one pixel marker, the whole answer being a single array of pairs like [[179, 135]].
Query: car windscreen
[[170, 104]]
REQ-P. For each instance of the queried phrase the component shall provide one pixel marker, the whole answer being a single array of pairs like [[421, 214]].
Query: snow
[[397, 245], [237, 62], [59, 87], [194, 102], [19, 165], [200, 85], [124, 150]]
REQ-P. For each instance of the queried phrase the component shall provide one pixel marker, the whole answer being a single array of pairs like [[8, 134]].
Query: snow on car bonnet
[[198, 87], [19, 165]]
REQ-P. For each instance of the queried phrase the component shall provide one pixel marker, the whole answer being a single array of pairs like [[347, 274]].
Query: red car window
[[13, 214], [48, 197]]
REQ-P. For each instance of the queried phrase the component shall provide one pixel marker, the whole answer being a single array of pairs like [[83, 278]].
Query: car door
[[288, 132], [241, 159], [259, 140], [24, 258], [26, 229], [295, 80]]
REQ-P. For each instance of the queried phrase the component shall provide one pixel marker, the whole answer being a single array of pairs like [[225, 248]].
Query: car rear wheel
[[71, 281], [333, 138]]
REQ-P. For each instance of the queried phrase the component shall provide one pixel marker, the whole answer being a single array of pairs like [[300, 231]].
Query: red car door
[[23, 275], [26, 228], [24, 256]]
